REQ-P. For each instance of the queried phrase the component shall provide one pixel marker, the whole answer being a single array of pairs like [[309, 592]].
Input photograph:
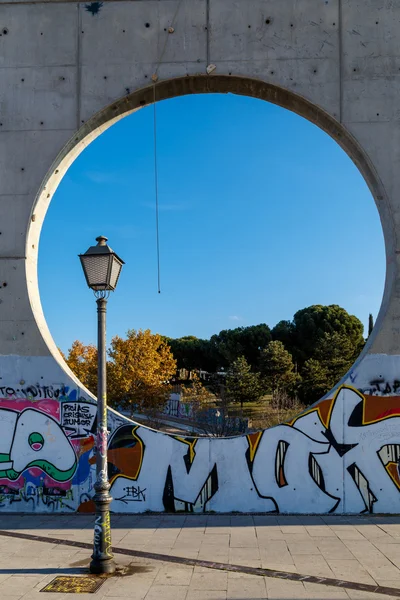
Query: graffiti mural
[[339, 456], [46, 441], [174, 407]]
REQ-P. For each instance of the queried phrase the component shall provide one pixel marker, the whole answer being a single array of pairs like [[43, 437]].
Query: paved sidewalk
[[364, 550]]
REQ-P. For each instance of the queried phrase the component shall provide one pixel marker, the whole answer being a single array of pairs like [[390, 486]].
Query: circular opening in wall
[[258, 211]]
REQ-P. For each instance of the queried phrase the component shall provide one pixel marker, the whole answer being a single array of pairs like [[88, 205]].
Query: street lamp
[[102, 268]]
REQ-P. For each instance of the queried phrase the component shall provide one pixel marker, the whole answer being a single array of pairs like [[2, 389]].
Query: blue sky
[[261, 214]]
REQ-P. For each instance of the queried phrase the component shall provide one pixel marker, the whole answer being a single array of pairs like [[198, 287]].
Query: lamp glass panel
[[96, 268], [115, 271]]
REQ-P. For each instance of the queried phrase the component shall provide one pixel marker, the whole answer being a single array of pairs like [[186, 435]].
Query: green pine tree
[[333, 356], [242, 385], [315, 381], [277, 368]]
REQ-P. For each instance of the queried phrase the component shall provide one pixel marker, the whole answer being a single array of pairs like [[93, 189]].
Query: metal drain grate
[[74, 585]]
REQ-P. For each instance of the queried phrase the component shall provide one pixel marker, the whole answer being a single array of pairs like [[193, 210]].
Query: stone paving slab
[[364, 550]]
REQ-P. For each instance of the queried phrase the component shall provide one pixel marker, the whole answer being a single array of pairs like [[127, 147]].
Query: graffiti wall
[[174, 407], [341, 455]]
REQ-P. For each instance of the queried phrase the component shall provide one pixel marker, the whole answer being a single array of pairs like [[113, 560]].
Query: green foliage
[[277, 368], [336, 352], [309, 326], [306, 356], [324, 342], [333, 356], [242, 385], [192, 353], [284, 332], [230, 344], [315, 381]]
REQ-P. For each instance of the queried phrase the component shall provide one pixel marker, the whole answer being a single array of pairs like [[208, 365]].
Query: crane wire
[[156, 189], [156, 181]]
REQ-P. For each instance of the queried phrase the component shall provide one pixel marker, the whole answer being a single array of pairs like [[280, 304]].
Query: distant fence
[[214, 419], [210, 417]]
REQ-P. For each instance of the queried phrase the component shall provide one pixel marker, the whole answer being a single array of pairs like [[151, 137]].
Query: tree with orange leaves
[[139, 372], [82, 360]]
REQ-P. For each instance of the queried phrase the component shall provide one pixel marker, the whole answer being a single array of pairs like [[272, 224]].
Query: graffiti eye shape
[[36, 441], [280, 463]]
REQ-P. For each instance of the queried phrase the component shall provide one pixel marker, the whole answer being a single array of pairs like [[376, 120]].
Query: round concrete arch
[[62, 62], [200, 84]]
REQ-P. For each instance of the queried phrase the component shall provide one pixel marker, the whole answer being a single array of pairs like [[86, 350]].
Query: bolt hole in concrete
[[258, 211]]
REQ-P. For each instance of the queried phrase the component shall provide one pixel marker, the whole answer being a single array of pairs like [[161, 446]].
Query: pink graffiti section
[[50, 407], [45, 447]]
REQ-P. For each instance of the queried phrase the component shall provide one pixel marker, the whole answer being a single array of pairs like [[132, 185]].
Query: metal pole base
[[102, 557], [100, 567]]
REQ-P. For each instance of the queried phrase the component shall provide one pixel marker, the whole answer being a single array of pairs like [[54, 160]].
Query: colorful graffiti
[[174, 407], [341, 455], [45, 445]]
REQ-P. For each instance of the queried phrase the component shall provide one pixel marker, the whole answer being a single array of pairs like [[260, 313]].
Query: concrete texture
[[68, 72], [356, 549]]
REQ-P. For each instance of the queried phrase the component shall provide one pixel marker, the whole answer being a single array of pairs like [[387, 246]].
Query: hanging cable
[[156, 188]]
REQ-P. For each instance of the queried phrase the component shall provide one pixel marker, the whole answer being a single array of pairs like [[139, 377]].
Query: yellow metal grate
[[74, 585]]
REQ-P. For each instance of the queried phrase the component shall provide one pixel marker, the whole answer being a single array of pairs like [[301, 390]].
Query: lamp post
[[102, 268]]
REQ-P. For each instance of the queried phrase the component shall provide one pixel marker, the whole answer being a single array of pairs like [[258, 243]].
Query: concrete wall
[[68, 71]]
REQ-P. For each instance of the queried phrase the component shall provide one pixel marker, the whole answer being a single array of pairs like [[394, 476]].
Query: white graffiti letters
[[37, 441]]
